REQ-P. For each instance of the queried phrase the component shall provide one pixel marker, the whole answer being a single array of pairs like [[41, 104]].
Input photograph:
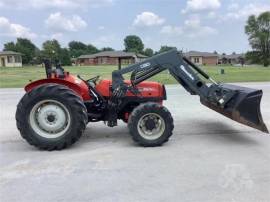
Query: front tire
[[51, 117], [150, 125]]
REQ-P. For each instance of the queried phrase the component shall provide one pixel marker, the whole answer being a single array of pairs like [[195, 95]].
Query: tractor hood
[[147, 89]]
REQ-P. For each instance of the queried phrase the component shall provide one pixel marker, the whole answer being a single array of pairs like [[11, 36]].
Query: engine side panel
[[72, 82], [147, 89]]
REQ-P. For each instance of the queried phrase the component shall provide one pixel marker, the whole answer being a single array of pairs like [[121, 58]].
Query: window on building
[[196, 60], [126, 61], [18, 59], [10, 59], [103, 60]]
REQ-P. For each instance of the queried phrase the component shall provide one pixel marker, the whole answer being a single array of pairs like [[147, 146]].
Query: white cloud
[[57, 36], [171, 30], [14, 30], [194, 28], [233, 6], [203, 31], [104, 41], [201, 5], [245, 11], [148, 19], [193, 22], [101, 28], [60, 4], [212, 15], [60, 23]]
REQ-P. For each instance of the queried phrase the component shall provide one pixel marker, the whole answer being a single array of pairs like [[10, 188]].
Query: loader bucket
[[244, 107]]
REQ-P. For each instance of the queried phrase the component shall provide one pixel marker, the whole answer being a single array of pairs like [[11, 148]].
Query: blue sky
[[204, 25]]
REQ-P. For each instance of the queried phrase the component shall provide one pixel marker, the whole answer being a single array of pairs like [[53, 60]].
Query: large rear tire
[[51, 117], [150, 124]]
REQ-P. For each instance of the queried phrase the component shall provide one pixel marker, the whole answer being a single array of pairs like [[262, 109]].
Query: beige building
[[202, 58], [10, 59], [232, 59], [110, 58]]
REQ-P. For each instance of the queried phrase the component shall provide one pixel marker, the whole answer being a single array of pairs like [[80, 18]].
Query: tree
[[77, 45], [107, 49], [10, 46], [91, 49], [165, 49], [133, 43], [258, 30], [51, 49], [65, 57], [77, 53], [77, 48], [148, 52], [24, 46], [27, 48], [38, 59], [253, 57]]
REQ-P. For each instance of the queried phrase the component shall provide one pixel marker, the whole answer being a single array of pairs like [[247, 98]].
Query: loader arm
[[237, 103], [183, 70]]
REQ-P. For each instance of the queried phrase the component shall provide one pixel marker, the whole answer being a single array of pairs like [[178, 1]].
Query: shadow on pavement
[[93, 132], [215, 130], [99, 136]]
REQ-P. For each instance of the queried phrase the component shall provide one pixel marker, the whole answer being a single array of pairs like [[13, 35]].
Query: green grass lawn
[[19, 76]]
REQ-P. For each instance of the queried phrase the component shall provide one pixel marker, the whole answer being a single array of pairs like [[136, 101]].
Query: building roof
[[200, 54], [9, 53], [232, 56], [112, 54]]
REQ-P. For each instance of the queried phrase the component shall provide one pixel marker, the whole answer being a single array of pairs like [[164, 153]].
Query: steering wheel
[[94, 79]]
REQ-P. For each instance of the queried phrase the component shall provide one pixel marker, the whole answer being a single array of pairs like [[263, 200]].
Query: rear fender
[[80, 88]]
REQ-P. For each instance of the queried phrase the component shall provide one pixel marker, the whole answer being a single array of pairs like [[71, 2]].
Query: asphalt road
[[209, 158]]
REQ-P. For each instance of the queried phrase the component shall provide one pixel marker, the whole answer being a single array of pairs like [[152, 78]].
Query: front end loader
[[54, 112]]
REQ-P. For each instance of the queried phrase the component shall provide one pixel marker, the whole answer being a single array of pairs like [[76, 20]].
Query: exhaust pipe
[[243, 107]]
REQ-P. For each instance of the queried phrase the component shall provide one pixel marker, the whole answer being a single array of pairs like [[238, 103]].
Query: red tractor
[[54, 112]]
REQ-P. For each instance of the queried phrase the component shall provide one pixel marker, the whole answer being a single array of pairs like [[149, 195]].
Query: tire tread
[[135, 115], [64, 92]]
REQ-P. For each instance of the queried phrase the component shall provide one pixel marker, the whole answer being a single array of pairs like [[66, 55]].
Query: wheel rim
[[151, 131], [49, 119]]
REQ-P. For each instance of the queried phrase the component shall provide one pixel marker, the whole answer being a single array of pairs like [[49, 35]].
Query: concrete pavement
[[209, 158]]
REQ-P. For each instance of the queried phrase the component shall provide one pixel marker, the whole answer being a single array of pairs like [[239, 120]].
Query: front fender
[[72, 82]]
